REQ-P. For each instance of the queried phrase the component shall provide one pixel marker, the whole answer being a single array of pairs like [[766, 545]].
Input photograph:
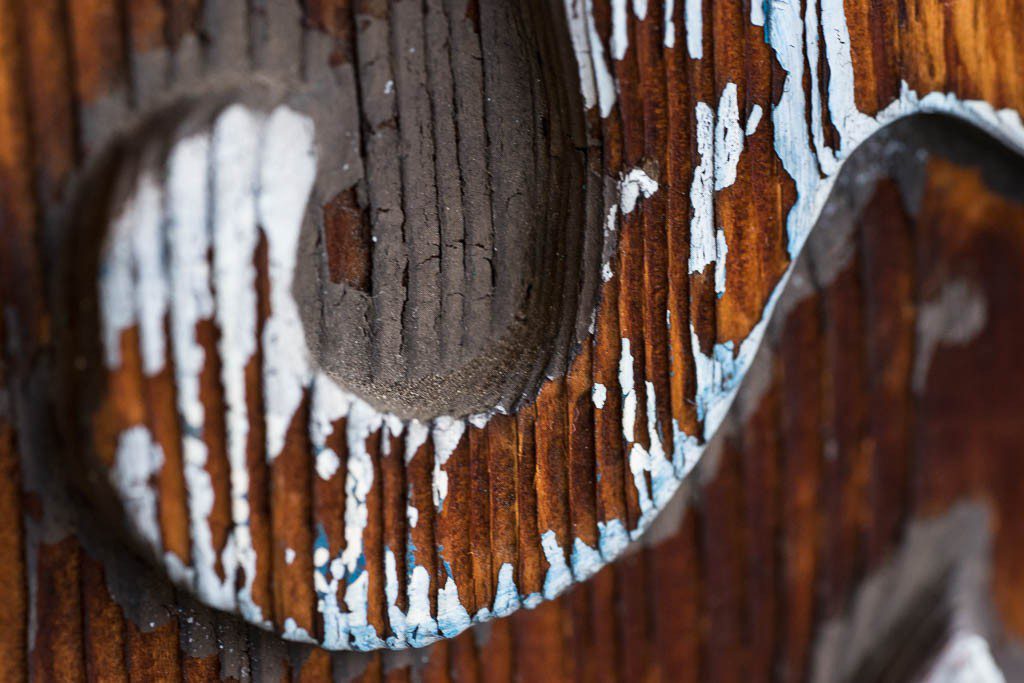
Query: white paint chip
[[446, 433], [721, 251], [670, 24], [632, 186], [506, 597], [558, 577], [728, 138], [694, 10], [327, 464], [606, 90], [757, 12], [138, 459], [236, 141], [293, 632], [628, 392], [754, 120], [702, 232], [287, 170], [620, 29]]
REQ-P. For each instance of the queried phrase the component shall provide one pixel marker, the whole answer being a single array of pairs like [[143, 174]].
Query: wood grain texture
[[707, 597], [810, 489]]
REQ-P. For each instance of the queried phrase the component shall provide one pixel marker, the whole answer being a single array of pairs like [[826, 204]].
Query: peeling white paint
[[151, 289], [694, 10], [394, 427], [363, 421], [179, 574], [620, 29], [853, 125], [138, 459], [328, 404], [289, 555], [612, 538], [606, 90], [287, 171], [532, 600], [596, 84], [610, 229], [757, 12], [336, 631], [728, 138], [452, 617], [792, 142], [235, 145], [189, 242], [133, 278], [632, 186], [702, 226], [293, 632], [686, 451], [599, 394], [326, 579], [826, 156], [628, 392], [421, 627], [396, 617], [718, 377], [575, 12], [754, 120], [327, 464], [586, 561], [363, 634], [639, 458], [670, 24], [558, 577], [721, 252], [506, 596], [663, 483], [639, 465], [117, 312], [415, 436], [446, 434]]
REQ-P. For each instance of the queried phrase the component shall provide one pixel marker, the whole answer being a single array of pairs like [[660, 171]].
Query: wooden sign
[[366, 322]]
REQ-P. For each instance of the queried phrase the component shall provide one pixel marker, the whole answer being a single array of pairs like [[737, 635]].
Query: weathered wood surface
[[739, 585], [808, 494]]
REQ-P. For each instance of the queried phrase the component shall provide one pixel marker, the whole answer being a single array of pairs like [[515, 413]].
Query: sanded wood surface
[[866, 417]]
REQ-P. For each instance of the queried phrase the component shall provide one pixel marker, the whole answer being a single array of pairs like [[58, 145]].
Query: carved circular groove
[[281, 270]]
